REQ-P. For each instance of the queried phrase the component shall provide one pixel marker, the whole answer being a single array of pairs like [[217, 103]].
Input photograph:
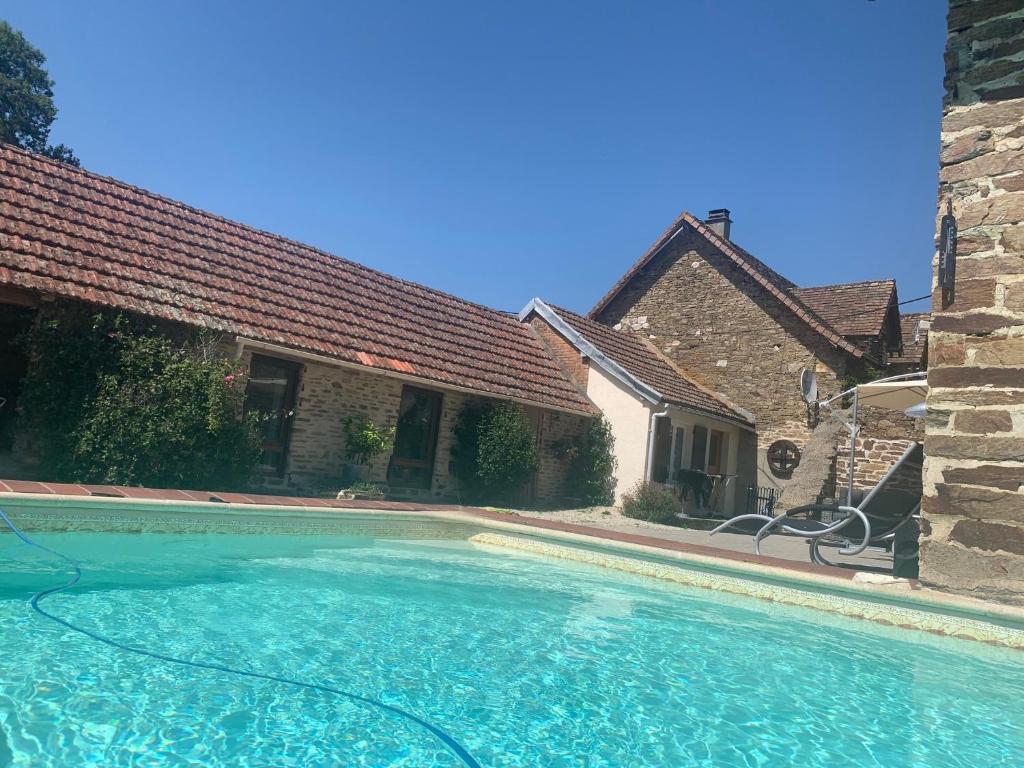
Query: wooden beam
[[19, 297]]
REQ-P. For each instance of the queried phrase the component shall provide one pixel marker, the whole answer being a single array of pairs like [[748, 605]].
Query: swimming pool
[[524, 660]]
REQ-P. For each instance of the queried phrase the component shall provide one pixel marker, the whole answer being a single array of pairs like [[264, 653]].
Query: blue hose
[[447, 740]]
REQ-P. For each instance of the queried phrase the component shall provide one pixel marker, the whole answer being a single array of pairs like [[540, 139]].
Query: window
[[660, 468], [412, 461], [710, 449], [717, 445], [677, 452], [273, 384], [698, 456]]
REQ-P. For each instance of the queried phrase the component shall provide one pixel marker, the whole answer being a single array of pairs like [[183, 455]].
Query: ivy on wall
[[109, 399], [495, 453], [591, 476]]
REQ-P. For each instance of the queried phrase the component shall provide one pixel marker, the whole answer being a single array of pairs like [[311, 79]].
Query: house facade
[[324, 338], [662, 421], [741, 329]]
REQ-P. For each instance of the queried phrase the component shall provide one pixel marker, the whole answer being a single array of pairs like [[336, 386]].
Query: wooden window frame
[[290, 403], [428, 464]]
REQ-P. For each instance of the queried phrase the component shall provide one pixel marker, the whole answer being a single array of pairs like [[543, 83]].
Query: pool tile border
[[902, 617], [743, 566]]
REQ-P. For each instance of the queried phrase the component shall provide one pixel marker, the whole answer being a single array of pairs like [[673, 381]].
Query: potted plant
[[363, 441]]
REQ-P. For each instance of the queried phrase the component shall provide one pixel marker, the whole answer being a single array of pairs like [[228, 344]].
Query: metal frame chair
[[875, 520]]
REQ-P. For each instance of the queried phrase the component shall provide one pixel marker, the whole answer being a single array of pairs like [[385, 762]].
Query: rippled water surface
[[525, 661]]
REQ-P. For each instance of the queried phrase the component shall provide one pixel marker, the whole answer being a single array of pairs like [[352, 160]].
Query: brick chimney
[[719, 221]]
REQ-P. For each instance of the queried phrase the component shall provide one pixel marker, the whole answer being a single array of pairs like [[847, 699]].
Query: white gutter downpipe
[[652, 431]]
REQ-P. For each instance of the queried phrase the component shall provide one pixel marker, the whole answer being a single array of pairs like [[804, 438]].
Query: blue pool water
[[525, 661]]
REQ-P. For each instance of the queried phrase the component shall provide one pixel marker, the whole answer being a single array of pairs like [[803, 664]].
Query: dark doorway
[[412, 461], [699, 454], [14, 324], [662, 450], [273, 385]]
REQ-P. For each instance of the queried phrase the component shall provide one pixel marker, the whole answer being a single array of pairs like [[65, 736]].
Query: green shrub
[[495, 452], [108, 400], [591, 475], [651, 502], [364, 439]]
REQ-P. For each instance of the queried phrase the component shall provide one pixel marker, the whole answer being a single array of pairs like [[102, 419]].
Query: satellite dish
[[808, 385]]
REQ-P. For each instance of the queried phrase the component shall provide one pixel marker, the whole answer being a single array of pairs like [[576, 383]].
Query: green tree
[[27, 110], [495, 452], [591, 476]]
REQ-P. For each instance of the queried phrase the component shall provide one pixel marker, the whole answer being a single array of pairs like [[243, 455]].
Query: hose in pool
[[38, 597]]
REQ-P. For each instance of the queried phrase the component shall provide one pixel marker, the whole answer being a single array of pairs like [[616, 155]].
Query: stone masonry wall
[[328, 394], [886, 435], [731, 335], [974, 473], [551, 475]]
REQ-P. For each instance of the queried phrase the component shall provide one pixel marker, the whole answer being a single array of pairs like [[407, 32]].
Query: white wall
[[630, 420]]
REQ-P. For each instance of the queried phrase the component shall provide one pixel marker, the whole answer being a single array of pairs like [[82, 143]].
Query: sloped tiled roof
[[72, 233], [778, 286], [913, 349], [853, 309], [642, 360]]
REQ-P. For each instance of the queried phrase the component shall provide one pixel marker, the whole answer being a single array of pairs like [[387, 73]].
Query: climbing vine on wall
[[495, 453], [109, 399]]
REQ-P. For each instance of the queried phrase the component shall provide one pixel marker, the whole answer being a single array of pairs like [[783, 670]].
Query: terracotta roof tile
[[84, 236], [853, 309], [643, 361]]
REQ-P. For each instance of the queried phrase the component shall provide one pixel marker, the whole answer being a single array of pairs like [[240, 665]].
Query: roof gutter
[[606, 364]]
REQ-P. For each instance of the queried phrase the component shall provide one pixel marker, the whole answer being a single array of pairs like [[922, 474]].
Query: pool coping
[[728, 564]]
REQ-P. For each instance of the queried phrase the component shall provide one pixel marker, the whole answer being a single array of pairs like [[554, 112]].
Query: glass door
[[273, 384], [412, 461]]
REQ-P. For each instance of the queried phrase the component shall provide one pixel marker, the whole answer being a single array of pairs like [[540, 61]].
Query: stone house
[[324, 337], [973, 509], [661, 419], [741, 329]]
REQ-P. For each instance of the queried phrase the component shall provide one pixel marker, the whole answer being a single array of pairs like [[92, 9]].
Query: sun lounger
[[885, 516]]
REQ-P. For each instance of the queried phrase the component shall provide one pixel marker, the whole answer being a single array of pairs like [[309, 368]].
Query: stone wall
[[328, 394], [553, 427], [974, 505], [885, 436], [729, 333]]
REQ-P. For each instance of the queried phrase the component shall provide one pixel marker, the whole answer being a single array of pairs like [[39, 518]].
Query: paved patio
[[781, 546]]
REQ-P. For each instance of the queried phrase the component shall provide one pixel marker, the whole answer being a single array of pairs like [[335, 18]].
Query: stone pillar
[[973, 528]]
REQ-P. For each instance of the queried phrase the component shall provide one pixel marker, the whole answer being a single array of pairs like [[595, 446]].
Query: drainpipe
[[651, 431]]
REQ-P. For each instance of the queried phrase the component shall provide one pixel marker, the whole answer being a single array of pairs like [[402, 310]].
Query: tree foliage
[[108, 400], [27, 110], [495, 452], [364, 439], [591, 475]]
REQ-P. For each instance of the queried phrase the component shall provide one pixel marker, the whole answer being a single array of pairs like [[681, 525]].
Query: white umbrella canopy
[[893, 395]]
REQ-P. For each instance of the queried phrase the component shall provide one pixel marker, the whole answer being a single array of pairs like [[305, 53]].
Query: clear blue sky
[[505, 150]]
